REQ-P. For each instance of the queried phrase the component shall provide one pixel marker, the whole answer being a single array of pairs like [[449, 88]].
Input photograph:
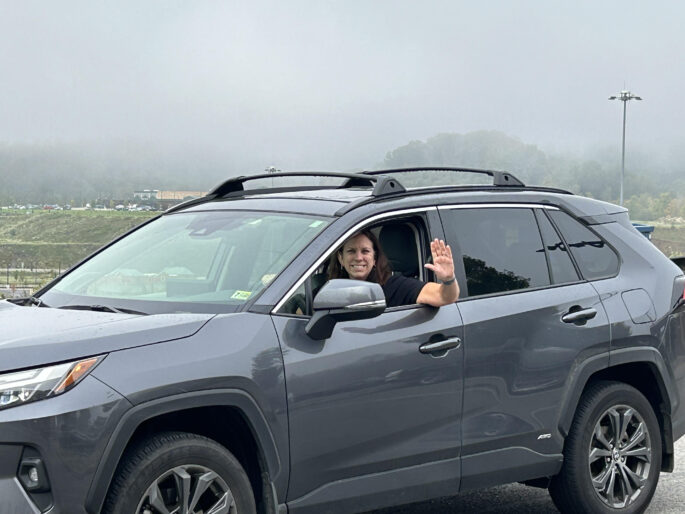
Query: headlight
[[30, 385]]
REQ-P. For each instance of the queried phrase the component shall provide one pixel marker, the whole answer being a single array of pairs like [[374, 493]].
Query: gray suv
[[203, 363]]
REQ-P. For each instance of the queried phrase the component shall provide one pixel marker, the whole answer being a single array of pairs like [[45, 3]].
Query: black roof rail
[[190, 203], [499, 178], [381, 185], [381, 180]]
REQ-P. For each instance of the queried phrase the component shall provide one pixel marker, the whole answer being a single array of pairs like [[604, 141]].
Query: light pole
[[271, 169], [624, 96]]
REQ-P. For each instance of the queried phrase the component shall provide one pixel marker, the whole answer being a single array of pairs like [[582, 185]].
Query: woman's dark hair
[[380, 273]]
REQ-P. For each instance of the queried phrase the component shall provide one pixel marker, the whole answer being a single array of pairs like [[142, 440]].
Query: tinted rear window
[[560, 263], [501, 247], [593, 255]]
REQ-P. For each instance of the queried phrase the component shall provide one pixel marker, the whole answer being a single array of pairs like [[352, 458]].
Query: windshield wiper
[[103, 308], [29, 300]]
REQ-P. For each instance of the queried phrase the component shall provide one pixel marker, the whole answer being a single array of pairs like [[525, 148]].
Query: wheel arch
[[250, 439], [643, 369]]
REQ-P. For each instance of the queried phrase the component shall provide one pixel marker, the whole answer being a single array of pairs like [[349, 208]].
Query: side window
[[501, 248], [594, 257], [404, 243], [560, 264]]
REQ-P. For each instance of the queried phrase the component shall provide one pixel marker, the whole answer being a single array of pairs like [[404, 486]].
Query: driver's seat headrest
[[399, 244]]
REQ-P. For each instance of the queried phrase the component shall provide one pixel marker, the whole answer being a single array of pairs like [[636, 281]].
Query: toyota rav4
[[203, 363]]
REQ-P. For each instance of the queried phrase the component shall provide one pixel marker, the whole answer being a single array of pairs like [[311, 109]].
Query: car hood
[[33, 336]]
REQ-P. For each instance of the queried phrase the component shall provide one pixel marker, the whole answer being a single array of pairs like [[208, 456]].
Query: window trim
[[340, 240], [498, 205], [520, 291]]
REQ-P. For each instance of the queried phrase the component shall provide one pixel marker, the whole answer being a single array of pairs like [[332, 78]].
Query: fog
[[335, 85]]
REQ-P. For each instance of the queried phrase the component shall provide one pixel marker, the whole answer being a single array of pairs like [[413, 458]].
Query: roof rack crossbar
[[499, 178], [381, 185]]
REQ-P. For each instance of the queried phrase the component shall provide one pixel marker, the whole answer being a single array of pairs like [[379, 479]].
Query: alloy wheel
[[620, 456], [188, 489]]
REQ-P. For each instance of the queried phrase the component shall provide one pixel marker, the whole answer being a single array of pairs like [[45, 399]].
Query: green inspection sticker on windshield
[[241, 295]]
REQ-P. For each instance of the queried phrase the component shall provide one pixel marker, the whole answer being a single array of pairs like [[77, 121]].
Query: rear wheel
[[612, 455], [180, 473]]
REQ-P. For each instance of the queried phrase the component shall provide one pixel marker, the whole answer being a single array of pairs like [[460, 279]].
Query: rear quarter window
[[560, 264], [595, 258]]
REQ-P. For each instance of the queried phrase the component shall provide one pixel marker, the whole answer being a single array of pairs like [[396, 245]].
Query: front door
[[373, 421]]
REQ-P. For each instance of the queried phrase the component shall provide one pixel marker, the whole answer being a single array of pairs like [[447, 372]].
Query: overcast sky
[[335, 84]]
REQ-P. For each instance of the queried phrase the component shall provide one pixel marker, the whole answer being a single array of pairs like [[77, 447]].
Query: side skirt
[[507, 465], [379, 490]]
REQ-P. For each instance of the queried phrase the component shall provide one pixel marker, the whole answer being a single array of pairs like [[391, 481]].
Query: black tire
[[594, 452], [165, 461]]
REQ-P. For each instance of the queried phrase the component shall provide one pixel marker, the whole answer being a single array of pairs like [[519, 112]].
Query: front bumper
[[68, 434]]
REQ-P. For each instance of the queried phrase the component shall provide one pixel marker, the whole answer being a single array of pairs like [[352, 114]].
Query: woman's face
[[358, 257]]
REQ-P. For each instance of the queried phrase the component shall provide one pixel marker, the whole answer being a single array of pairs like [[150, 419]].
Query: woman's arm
[[447, 292]]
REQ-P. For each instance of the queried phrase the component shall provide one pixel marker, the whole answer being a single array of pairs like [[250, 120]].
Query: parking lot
[[517, 498]]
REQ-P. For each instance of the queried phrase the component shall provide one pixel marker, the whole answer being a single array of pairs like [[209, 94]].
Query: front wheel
[[612, 455], [181, 473]]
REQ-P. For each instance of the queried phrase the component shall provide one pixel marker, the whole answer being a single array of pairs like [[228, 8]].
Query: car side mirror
[[344, 300]]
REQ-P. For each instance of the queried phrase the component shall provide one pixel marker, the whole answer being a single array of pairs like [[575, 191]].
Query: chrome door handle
[[440, 346], [579, 315]]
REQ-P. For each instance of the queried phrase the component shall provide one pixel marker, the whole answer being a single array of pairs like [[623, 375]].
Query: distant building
[[179, 195], [166, 199], [146, 194]]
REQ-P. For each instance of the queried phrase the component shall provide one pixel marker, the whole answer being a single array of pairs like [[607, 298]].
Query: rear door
[[528, 320]]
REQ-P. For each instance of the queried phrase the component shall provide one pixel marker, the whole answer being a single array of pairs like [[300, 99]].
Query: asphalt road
[[516, 498]]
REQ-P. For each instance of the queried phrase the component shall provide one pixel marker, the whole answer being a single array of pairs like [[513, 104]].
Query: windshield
[[196, 262]]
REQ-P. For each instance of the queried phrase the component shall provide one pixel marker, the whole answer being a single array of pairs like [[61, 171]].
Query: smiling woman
[[362, 258]]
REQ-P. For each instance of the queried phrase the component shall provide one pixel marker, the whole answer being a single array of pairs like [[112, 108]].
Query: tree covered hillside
[[651, 192]]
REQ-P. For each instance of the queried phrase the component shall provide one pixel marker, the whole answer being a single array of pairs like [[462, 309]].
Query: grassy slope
[[669, 238], [58, 239]]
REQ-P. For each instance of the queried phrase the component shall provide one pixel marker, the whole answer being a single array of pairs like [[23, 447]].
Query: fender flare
[[607, 360], [140, 413], [653, 356]]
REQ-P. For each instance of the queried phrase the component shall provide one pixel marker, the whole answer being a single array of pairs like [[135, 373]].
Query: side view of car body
[[204, 363]]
